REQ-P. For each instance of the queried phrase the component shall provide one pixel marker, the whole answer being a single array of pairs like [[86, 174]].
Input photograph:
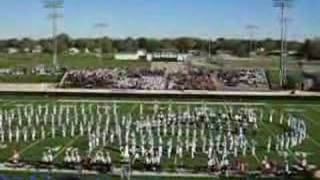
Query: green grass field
[[87, 61], [272, 67], [32, 151], [45, 176], [80, 61]]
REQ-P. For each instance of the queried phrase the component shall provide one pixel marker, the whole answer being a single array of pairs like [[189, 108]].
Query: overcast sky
[[159, 18]]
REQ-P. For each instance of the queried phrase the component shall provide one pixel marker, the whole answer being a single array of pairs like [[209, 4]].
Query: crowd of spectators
[[146, 79], [143, 79], [194, 79], [37, 70], [250, 78]]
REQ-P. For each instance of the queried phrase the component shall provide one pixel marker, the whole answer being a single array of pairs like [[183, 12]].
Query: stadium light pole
[[283, 5], [54, 6], [101, 27], [252, 34]]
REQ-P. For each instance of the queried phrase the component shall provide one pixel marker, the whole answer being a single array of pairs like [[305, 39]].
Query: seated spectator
[[143, 79]]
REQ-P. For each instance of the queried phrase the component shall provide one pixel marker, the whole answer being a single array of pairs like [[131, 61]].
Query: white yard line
[[257, 158], [294, 110], [66, 146], [314, 141], [308, 135], [311, 119], [317, 124], [31, 145], [7, 103], [133, 108], [315, 109], [297, 104], [273, 133]]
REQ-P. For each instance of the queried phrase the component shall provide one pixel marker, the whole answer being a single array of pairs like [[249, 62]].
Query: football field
[[32, 126]]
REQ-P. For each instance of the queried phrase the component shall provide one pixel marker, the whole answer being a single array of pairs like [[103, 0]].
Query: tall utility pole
[[210, 48], [286, 21], [101, 28], [252, 35], [54, 15], [283, 5]]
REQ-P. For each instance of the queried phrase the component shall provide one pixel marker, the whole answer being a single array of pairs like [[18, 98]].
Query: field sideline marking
[[171, 101], [161, 102]]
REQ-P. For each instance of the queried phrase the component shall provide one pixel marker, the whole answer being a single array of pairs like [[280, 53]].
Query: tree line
[[239, 47]]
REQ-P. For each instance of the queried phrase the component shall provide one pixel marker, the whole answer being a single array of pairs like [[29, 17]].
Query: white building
[[183, 57], [40, 70], [155, 56], [140, 54], [97, 50], [74, 51], [12, 50], [37, 49], [26, 50], [5, 71], [87, 51], [126, 56], [168, 56], [149, 57]]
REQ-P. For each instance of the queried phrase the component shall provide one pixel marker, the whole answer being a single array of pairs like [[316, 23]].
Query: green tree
[[142, 43], [294, 46], [46, 45], [64, 42], [270, 45], [241, 50], [3, 45], [26, 43], [106, 44], [185, 44], [13, 43], [153, 45], [127, 45], [311, 49], [167, 44]]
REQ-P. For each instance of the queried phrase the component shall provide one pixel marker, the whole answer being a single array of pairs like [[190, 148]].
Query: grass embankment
[[81, 61]]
